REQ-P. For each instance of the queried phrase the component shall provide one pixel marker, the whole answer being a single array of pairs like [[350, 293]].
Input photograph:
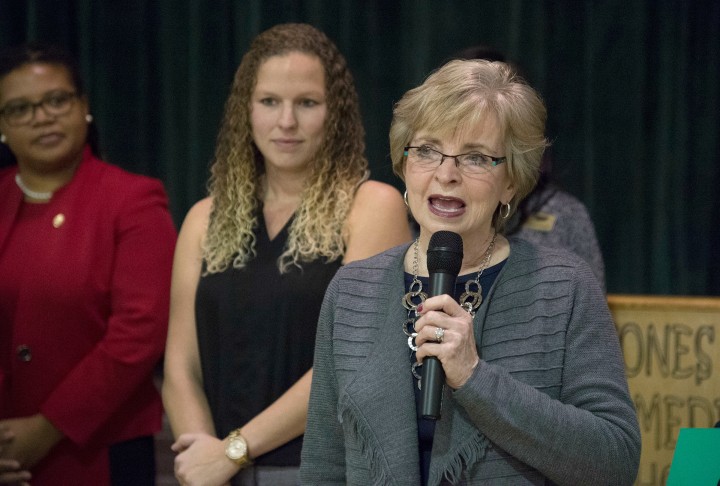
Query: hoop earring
[[89, 118], [507, 208], [3, 139], [405, 198]]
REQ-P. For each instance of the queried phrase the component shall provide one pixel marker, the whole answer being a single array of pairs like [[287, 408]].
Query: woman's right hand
[[201, 460], [457, 351], [11, 473], [10, 470]]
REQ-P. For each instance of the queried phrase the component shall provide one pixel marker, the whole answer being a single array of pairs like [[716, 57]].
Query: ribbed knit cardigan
[[547, 404]]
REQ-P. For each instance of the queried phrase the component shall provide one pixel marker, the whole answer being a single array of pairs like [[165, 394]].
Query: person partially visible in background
[[549, 215], [290, 202], [85, 258]]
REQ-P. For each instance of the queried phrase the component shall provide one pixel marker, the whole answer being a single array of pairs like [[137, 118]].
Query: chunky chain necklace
[[470, 300]]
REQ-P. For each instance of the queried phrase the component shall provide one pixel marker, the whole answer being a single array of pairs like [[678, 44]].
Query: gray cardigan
[[548, 403]]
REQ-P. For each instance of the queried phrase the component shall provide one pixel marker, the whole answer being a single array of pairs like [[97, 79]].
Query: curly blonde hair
[[337, 168], [459, 96]]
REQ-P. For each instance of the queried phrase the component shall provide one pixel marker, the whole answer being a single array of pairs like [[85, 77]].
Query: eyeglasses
[[22, 112], [472, 163]]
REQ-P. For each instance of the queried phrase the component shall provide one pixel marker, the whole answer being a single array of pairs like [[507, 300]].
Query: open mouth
[[446, 206]]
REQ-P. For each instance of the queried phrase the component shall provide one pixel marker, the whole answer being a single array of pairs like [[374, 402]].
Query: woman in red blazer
[[85, 262]]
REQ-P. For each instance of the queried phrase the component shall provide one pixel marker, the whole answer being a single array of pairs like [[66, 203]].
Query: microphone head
[[445, 253]]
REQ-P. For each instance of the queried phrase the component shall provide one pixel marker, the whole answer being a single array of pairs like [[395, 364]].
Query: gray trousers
[[267, 476]]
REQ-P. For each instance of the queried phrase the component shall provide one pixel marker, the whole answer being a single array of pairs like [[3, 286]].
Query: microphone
[[444, 258]]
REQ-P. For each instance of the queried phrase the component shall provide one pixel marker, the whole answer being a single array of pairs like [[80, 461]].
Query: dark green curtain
[[632, 89]]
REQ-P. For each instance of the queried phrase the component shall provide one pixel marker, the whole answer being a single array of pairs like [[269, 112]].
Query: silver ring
[[439, 334]]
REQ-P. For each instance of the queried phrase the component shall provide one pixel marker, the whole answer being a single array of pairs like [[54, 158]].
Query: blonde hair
[[337, 169], [458, 96]]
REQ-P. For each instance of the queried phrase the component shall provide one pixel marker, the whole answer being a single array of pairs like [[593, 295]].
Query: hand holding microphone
[[444, 259], [452, 359]]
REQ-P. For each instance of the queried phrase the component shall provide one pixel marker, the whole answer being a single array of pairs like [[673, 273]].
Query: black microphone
[[444, 259]]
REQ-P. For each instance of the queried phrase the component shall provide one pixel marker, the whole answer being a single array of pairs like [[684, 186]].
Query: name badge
[[541, 221]]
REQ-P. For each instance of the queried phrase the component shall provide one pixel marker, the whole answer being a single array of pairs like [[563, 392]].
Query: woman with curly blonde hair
[[290, 201]]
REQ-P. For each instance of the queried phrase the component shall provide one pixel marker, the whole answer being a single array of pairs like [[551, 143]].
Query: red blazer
[[84, 300]]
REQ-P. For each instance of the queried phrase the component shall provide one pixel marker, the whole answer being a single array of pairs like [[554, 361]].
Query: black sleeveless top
[[256, 335]]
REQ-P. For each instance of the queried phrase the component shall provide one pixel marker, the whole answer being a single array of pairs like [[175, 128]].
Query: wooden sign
[[671, 347]]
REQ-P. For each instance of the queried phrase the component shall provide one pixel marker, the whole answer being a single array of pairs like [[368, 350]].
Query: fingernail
[[419, 308]]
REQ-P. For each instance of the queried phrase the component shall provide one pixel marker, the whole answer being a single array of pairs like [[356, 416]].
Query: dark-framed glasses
[[22, 112], [472, 163]]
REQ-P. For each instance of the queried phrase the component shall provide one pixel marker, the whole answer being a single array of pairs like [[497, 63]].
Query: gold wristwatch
[[237, 449]]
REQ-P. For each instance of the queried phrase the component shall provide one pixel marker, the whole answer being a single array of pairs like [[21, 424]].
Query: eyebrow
[[25, 99], [478, 146], [468, 146], [306, 94]]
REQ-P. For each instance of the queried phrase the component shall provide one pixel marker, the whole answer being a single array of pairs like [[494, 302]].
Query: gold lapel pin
[[58, 220]]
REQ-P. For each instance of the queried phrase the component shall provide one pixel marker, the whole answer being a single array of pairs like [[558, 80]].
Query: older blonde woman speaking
[[535, 391]]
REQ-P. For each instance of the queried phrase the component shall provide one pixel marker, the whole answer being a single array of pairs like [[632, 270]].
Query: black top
[[256, 335]]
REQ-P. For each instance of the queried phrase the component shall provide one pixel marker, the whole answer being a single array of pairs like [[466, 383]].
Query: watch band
[[236, 449]]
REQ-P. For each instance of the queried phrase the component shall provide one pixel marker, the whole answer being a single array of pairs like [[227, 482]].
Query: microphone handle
[[433, 379], [433, 375]]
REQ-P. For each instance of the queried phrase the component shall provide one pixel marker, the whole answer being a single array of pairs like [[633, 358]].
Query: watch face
[[236, 449]]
